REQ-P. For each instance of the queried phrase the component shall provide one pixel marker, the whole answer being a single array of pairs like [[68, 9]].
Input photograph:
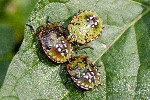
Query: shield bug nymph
[[53, 41], [85, 26], [83, 73]]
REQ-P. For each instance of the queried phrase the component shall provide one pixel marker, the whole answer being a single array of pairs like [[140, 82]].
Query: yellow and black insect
[[83, 73], [85, 26], [53, 41]]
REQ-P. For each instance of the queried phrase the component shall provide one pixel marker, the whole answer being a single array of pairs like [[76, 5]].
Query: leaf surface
[[122, 50]]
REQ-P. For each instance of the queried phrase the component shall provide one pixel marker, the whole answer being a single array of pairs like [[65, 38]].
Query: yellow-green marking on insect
[[85, 26]]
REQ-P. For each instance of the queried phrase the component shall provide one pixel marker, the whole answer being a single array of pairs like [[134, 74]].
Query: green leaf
[[6, 46], [122, 50]]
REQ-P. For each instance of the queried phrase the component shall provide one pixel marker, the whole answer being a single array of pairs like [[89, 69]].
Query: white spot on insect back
[[62, 54], [56, 45], [90, 80], [74, 79], [83, 74], [66, 51], [87, 19], [79, 81], [93, 26], [86, 76], [62, 41], [82, 84], [90, 69], [59, 49], [96, 23], [65, 45], [86, 86], [91, 17], [61, 45], [98, 74], [82, 87], [94, 77], [89, 75], [92, 73]]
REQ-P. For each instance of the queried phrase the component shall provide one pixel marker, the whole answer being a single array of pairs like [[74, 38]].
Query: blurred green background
[[13, 16]]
